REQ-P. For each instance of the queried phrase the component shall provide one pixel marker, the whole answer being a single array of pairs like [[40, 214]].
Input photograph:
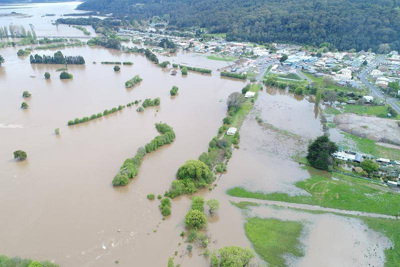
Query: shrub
[[24, 105], [150, 196], [106, 112], [99, 115], [47, 75], [195, 219], [20, 155], [192, 236], [57, 131], [26, 94], [221, 167], [94, 116], [117, 68], [245, 89], [228, 120], [65, 75], [140, 109], [198, 203], [159, 196], [213, 205], [174, 90], [76, 121], [70, 123]]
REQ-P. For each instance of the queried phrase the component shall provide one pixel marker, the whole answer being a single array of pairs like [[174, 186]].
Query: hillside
[[345, 24]]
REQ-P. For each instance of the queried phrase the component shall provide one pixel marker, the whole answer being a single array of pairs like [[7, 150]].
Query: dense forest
[[345, 24]]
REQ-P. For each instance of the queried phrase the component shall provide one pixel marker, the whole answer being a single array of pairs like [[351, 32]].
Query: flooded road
[[60, 205]]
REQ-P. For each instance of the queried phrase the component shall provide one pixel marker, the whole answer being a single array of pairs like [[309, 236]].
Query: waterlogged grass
[[274, 239], [332, 111], [370, 147], [389, 228], [343, 192], [378, 111], [222, 58]]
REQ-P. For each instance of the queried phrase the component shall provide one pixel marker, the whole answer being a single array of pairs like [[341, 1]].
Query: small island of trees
[[132, 82], [58, 58], [65, 75], [117, 68], [174, 90], [234, 75], [47, 75], [26, 94], [20, 155], [24, 105]]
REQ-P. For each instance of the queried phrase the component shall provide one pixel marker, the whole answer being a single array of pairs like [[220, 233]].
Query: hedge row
[[130, 167], [234, 75]]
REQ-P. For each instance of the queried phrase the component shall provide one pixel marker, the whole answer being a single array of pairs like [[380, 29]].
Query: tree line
[[58, 58], [130, 167], [345, 24]]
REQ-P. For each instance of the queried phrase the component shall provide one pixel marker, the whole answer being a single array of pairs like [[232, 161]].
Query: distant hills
[[344, 24]]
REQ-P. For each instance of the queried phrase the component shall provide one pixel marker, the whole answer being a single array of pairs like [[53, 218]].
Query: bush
[[57, 131], [195, 219], [198, 203], [117, 68], [120, 180], [47, 75], [76, 121], [228, 120], [24, 105], [70, 123], [174, 90], [26, 94], [184, 71], [192, 236], [150, 196], [20, 155], [165, 206], [65, 75]]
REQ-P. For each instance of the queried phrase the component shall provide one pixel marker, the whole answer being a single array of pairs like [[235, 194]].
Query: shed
[[231, 131], [249, 94]]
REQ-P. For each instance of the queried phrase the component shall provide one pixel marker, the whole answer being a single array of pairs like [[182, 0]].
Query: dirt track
[[377, 129]]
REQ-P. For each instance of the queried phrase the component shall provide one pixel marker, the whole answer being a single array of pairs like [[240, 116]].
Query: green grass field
[[343, 192], [378, 111], [370, 147], [241, 115], [291, 76], [274, 239], [332, 111], [222, 58]]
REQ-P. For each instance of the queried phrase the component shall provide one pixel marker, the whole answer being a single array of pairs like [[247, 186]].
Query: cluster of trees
[[164, 64], [65, 75], [130, 168], [241, 76], [192, 175], [18, 262], [20, 155], [196, 218], [165, 206], [24, 105], [151, 102], [58, 58], [201, 70], [174, 90], [132, 82], [167, 44], [106, 42], [345, 24], [151, 56], [232, 257], [17, 31], [95, 116]]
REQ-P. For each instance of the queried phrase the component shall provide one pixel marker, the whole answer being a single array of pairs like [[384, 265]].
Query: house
[[249, 94], [383, 160], [344, 156], [231, 131], [368, 99]]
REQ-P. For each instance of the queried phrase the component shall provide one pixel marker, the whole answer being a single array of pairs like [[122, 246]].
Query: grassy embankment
[[274, 239], [222, 58], [241, 115], [343, 192]]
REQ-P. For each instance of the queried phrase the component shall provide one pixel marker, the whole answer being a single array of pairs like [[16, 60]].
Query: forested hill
[[346, 24]]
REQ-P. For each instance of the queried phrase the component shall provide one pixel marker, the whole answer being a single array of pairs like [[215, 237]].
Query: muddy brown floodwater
[[59, 204]]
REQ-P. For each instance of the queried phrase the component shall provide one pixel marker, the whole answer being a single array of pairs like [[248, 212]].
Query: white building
[[231, 131]]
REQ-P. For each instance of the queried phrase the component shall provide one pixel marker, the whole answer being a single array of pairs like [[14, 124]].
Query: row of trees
[[233, 75], [58, 58], [19, 262], [16, 31], [130, 168], [201, 70], [95, 116]]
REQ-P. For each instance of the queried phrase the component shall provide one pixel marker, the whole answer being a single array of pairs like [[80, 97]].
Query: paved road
[[314, 208], [376, 92], [304, 77], [263, 69]]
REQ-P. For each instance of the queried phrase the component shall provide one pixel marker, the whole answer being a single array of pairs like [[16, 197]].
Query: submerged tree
[[1, 60], [20, 155]]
